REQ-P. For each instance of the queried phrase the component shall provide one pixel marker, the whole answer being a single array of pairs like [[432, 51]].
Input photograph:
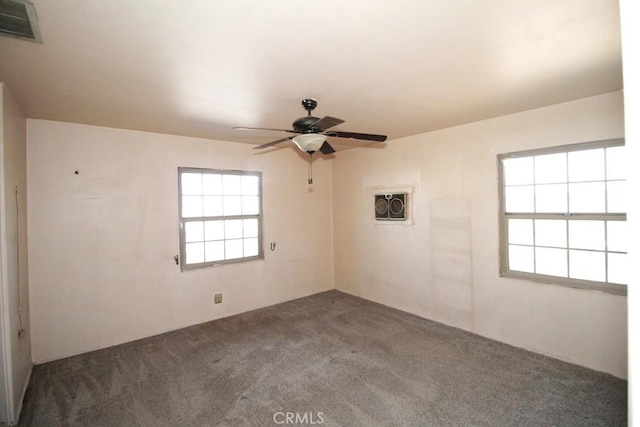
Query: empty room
[[317, 213]]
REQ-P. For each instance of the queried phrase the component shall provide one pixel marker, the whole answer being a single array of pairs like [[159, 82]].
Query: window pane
[[518, 171], [214, 230], [551, 198], [616, 196], [519, 199], [213, 206], [232, 205], [250, 185], [551, 168], [552, 262], [586, 197], [233, 249], [521, 258], [617, 268], [251, 247], [250, 228], [616, 163], [212, 184], [250, 205], [194, 253], [587, 265], [521, 231], [193, 231], [586, 165], [617, 236], [586, 235], [551, 232], [191, 206], [233, 229], [191, 184], [232, 185], [214, 251]]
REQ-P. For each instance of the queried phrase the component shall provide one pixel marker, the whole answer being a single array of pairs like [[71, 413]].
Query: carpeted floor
[[328, 359]]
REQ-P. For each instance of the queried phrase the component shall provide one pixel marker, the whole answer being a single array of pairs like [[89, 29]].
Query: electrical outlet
[[217, 298]]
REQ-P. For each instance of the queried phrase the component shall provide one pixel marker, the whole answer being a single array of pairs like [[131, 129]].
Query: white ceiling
[[403, 67]]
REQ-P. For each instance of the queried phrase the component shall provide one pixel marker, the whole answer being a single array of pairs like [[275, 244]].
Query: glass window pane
[[250, 227], [251, 247], [519, 199], [233, 229], [250, 185], [551, 232], [214, 230], [233, 249], [587, 265], [586, 197], [552, 262], [250, 205], [232, 205], [191, 206], [212, 184], [586, 165], [617, 236], [214, 251], [586, 235], [521, 231], [232, 185], [616, 163], [616, 196], [193, 231], [518, 171], [191, 184], [194, 253], [551, 168], [521, 258], [213, 206], [617, 264], [551, 198]]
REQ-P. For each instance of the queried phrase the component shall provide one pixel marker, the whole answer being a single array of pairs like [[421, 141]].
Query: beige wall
[[102, 242], [13, 240], [445, 266]]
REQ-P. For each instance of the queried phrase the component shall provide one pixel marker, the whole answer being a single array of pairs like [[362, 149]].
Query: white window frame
[[184, 220], [504, 216]]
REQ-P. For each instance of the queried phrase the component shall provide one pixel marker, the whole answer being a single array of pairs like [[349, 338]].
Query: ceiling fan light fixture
[[310, 142]]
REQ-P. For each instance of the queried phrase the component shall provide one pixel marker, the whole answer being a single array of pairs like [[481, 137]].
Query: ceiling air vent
[[18, 19]]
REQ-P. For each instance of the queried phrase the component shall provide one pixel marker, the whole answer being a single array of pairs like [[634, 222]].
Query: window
[[563, 215], [220, 216]]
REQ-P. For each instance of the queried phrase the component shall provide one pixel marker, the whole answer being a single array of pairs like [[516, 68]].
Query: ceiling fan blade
[[269, 144], [279, 130], [326, 123], [354, 135], [326, 148]]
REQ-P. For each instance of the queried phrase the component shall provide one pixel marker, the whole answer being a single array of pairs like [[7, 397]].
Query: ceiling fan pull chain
[[310, 170]]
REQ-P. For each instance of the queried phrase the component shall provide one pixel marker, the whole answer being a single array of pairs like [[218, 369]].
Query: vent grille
[[18, 19], [391, 207]]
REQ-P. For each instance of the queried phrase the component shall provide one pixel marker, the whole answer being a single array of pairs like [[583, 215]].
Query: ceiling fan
[[313, 132]]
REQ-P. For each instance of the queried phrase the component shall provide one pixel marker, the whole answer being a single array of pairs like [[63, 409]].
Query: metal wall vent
[[391, 207], [18, 19]]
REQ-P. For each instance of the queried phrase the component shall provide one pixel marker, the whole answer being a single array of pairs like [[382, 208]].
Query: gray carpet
[[328, 359]]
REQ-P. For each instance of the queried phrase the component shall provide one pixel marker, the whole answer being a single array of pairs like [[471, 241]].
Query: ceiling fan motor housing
[[303, 125]]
